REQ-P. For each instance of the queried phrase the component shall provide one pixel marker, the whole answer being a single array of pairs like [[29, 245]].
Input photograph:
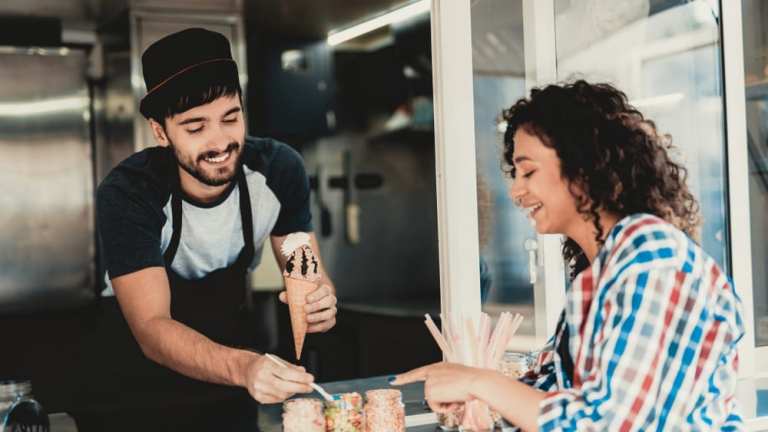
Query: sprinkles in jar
[[344, 413], [515, 364], [303, 415], [384, 411]]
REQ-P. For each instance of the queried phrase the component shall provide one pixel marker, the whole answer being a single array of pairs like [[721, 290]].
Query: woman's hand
[[445, 384]]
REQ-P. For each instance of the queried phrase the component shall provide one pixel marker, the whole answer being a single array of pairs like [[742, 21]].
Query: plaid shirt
[[653, 325]]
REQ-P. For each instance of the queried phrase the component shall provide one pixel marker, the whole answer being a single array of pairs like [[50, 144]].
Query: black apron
[[214, 304], [151, 397]]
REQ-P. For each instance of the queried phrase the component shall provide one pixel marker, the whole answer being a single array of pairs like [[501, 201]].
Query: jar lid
[[303, 405], [346, 401]]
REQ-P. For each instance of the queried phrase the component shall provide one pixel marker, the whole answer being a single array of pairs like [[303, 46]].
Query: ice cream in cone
[[301, 276]]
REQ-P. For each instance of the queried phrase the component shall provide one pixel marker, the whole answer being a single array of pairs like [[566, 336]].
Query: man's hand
[[320, 308], [268, 382]]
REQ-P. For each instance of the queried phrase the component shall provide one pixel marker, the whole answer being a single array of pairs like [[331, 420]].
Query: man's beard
[[220, 176]]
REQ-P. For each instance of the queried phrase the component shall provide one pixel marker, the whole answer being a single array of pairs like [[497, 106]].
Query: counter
[[270, 416], [752, 394]]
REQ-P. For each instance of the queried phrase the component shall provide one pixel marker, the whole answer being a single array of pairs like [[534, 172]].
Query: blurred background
[[359, 108]]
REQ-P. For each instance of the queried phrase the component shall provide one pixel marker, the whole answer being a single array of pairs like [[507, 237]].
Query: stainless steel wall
[[395, 260], [46, 203], [114, 112], [78, 10]]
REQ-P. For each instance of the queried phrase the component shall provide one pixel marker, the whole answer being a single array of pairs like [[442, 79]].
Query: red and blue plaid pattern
[[653, 326]]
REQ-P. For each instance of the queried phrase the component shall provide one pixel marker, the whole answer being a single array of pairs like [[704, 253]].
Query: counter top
[[752, 394], [270, 416]]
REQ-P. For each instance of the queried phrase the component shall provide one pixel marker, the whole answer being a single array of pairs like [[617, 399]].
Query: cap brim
[[192, 81]]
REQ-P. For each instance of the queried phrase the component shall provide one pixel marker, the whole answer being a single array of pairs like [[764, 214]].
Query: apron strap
[[170, 253], [246, 218]]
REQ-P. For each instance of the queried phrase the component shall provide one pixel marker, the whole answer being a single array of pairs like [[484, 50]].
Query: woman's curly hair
[[609, 152]]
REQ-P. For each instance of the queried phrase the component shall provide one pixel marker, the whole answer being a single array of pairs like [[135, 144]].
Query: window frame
[[737, 154]]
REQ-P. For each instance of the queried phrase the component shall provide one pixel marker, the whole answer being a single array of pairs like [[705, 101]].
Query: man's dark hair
[[609, 152]]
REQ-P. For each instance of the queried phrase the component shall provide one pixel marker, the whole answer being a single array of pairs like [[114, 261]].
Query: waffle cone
[[296, 292]]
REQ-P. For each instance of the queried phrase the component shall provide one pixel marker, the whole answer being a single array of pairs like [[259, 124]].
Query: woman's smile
[[533, 209]]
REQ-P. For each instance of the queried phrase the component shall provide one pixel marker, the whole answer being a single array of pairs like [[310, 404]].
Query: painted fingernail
[[391, 379]]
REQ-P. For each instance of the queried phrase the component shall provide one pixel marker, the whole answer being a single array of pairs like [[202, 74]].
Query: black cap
[[179, 59]]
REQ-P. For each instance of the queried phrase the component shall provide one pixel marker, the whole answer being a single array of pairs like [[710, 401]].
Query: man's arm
[[321, 304], [144, 297]]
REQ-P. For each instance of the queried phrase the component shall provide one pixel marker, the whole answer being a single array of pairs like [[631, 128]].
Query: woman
[[647, 340]]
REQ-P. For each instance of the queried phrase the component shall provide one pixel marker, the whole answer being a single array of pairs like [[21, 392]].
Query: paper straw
[[513, 328], [485, 329], [455, 335], [510, 331], [450, 340], [469, 344], [494, 337], [516, 324], [474, 352], [437, 336], [501, 326]]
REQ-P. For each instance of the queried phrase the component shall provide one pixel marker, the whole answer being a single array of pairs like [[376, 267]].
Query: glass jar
[[303, 415], [384, 411], [515, 364], [344, 413], [477, 417], [450, 420], [19, 411]]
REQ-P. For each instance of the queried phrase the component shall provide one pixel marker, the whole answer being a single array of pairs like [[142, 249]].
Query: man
[[182, 223]]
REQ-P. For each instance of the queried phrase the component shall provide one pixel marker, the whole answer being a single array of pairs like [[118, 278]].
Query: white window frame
[[541, 69], [455, 158], [738, 183]]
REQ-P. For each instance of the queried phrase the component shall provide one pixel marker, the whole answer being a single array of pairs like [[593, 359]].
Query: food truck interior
[[360, 114]]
